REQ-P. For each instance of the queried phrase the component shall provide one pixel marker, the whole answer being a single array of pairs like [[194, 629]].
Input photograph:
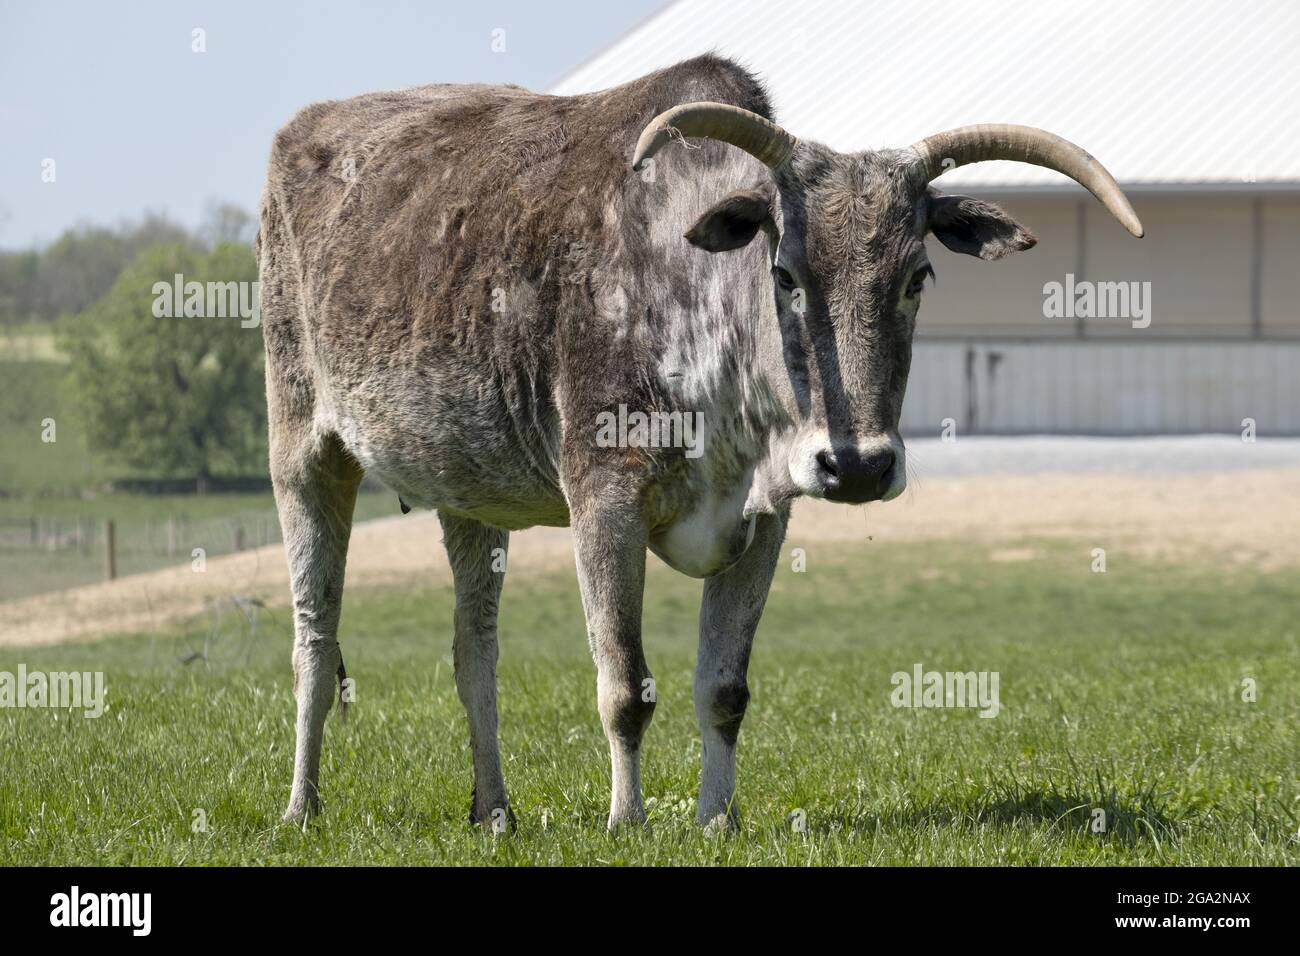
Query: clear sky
[[135, 120]]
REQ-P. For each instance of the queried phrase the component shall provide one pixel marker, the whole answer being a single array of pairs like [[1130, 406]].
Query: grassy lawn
[[1119, 691]]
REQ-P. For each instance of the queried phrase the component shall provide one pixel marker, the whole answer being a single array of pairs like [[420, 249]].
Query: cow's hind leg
[[733, 603], [315, 481], [315, 489], [477, 554]]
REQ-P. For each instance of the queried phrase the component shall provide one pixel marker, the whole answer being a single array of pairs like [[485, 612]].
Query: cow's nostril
[[830, 471], [848, 475]]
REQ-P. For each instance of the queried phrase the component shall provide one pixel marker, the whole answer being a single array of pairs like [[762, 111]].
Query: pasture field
[[51, 522], [31, 390], [1119, 692]]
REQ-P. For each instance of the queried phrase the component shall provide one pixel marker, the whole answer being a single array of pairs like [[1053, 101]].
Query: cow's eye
[[915, 286], [784, 279]]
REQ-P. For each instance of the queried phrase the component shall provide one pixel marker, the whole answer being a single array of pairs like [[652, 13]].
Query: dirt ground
[[1241, 517]]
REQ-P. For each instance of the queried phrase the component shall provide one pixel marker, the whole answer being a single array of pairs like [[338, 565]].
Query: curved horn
[[1024, 144], [761, 138]]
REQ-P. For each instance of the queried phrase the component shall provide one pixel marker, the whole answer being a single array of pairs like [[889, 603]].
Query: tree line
[[81, 265]]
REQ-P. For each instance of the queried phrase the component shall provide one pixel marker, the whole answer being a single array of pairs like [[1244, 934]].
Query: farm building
[[1193, 106]]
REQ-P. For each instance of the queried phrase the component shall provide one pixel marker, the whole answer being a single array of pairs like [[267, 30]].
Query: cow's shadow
[[1127, 821]]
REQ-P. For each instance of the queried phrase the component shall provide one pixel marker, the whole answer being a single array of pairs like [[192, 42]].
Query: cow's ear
[[977, 228], [732, 221]]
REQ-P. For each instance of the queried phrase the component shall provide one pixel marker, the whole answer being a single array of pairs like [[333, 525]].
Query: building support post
[[1080, 258], [1257, 267]]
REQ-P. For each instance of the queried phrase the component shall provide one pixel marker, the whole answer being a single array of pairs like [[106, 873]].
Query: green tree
[[171, 396], [18, 278]]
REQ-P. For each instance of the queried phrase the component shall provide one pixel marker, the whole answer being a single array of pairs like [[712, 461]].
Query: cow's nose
[[849, 476]]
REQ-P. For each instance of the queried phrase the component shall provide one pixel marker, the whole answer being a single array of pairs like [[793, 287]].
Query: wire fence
[[167, 537], [40, 554]]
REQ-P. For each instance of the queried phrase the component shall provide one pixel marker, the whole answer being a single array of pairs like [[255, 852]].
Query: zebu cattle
[[461, 283]]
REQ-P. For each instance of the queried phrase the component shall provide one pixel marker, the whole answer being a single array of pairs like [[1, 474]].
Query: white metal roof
[[1161, 91]]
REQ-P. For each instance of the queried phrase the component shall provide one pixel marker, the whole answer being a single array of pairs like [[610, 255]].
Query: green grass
[[1119, 691], [32, 390]]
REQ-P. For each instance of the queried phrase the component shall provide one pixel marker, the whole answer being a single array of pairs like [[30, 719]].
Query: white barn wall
[[1196, 255], [1280, 269], [1017, 386], [988, 358]]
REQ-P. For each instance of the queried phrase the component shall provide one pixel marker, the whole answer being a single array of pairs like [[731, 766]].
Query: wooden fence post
[[110, 557]]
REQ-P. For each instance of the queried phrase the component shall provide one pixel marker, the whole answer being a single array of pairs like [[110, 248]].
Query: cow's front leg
[[733, 603], [610, 545]]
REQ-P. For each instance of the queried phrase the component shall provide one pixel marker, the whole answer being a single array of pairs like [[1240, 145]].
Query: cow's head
[[847, 239]]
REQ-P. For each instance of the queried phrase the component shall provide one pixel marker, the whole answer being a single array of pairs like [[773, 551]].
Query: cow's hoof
[[498, 819], [626, 820], [299, 814], [722, 823], [717, 816]]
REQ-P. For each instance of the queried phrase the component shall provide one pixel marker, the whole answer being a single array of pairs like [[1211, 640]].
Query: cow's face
[[848, 267]]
